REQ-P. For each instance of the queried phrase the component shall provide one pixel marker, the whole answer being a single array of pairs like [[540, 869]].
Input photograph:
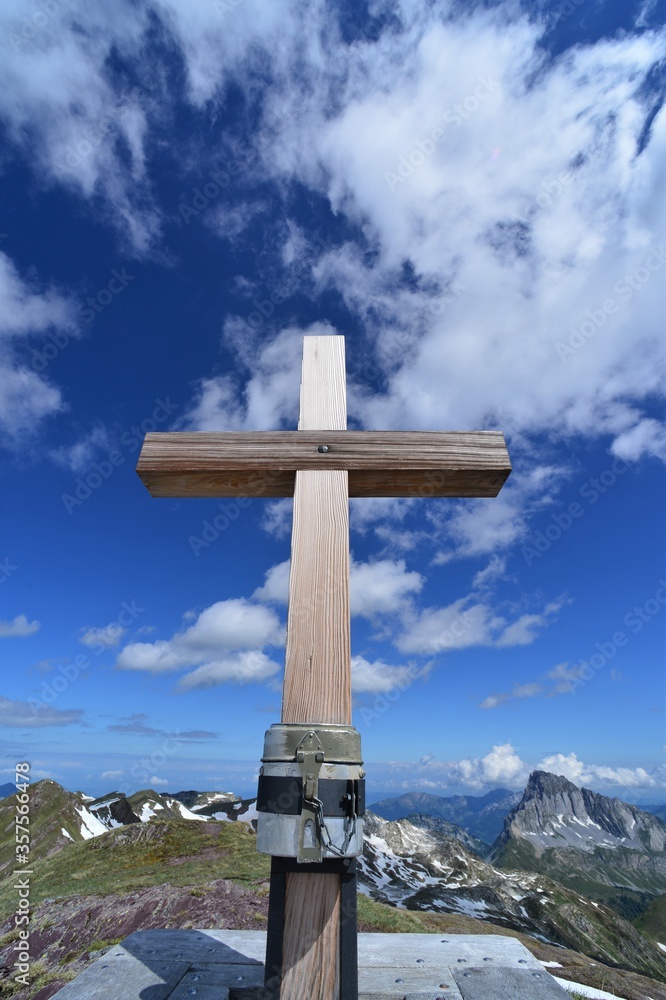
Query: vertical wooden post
[[317, 681]]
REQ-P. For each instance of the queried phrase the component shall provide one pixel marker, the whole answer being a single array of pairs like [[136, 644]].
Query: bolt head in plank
[[380, 463]]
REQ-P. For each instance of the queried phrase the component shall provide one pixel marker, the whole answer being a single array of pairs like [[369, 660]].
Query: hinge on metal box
[[310, 756]]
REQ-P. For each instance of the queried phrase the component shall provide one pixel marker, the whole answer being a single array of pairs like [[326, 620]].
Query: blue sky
[[473, 196]]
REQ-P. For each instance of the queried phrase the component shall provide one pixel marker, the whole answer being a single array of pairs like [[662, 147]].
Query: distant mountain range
[[481, 816]]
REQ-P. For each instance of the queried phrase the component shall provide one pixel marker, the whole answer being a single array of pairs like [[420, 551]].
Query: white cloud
[[563, 677], [111, 775], [456, 626], [493, 571], [18, 627], [566, 676], [580, 773], [224, 644], [156, 657], [494, 700], [515, 243], [529, 690], [469, 622], [27, 397], [27, 309], [277, 518], [276, 584], [378, 677], [488, 526], [365, 512], [25, 715], [220, 39], [522, 632], [245, 667], [108, 636], [503, 766], [79, 456], [488, 208], [648, 437], [382, 587], [155, 782], [232, 624], [59, 107]]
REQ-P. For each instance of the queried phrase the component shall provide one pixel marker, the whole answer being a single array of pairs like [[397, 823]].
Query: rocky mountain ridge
[[609, 850], [424, 870], [554, 812], [58, 818], [448, 829]]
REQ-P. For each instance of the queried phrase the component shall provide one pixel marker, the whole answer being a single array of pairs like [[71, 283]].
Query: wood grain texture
[[312, 938], [317, 674], [380, 463], [317, 677], [323, 385], [317, 680], [130, 978]]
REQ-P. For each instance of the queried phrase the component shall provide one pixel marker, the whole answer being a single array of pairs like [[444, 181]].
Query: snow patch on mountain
[[249, 814], [148, 810], [184, 811], [90, 825]]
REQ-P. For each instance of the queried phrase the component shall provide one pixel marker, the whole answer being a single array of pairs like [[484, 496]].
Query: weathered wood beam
[[380, 463], [317, 670]]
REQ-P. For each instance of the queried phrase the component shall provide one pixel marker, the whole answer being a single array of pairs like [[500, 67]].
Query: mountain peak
[[555, 813], [543, 783]]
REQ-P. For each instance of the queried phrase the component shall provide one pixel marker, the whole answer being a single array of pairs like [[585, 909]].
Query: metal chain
[[350, 829]]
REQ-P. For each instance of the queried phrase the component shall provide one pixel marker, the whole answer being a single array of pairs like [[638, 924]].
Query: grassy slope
[[586, 875], [652, 922], [51, 810], [178, 852]]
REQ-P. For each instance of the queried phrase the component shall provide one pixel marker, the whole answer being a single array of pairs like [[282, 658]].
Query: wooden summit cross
[[321, 464]]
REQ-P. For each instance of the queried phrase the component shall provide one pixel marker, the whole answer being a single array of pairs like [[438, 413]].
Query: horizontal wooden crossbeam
[[380, 463]]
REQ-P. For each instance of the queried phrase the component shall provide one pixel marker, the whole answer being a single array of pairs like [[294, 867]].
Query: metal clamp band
[[310, 756], [284, 795]]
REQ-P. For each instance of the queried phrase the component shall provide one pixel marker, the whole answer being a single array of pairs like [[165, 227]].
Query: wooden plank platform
[[228, 965]]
